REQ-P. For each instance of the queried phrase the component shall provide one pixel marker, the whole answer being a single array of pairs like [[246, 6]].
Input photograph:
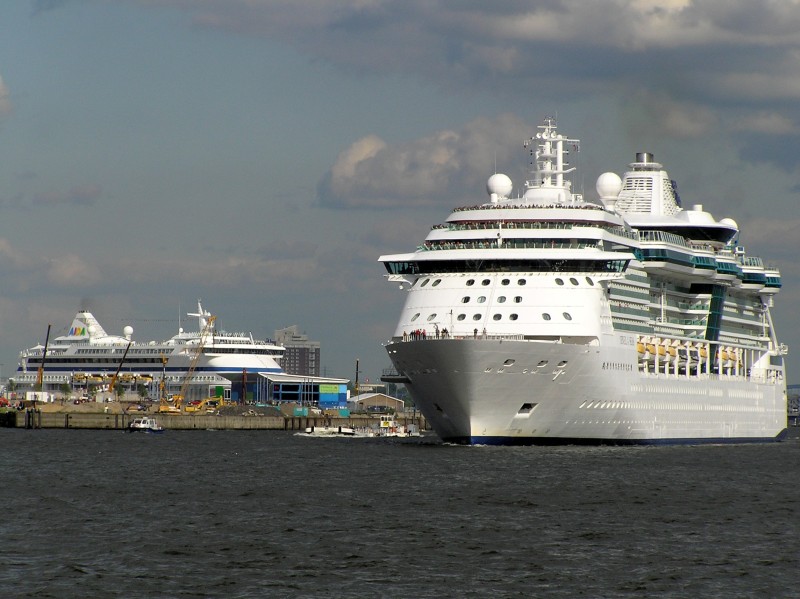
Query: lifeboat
[[703, 351], [640, 347]]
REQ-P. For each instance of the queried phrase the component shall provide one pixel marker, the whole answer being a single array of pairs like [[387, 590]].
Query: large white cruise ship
[[87, 356], [545, 318]]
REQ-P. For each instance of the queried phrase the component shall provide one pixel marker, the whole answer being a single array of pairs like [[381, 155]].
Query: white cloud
[[430, 171]]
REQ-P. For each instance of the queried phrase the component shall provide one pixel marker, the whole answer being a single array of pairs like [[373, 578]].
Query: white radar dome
[[730, 222], [127, 331], [500, 185], [92, 329], [608, 185]]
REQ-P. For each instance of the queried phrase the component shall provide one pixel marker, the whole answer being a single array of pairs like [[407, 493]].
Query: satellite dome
[[92, 329], [608, 185], [127, 331], [500, 185], [730, 223]]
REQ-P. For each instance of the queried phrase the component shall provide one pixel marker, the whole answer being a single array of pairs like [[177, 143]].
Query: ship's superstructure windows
[[461, 317], [476, 317], [431, 317], [590, 281], [496, 317], [501, 299], [505, 282], [514, 316], [436, 282], [559, 281], [413, 318], [567, 316], [573, 280], [542, 364], [485, 282], [470, 282], [518, 299], [425, 282], [545, 316], [481, 299], [509, 362], [521, 282], [465, 299]]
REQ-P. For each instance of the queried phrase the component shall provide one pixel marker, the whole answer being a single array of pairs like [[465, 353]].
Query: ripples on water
[[270, 514]]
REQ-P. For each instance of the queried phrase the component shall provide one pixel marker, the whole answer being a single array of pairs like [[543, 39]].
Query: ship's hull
[[492, 391]]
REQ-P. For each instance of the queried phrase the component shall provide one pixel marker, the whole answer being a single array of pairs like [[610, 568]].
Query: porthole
[[509, 362], [470, 282], [431, 317], [425, 282], [481, 299], [521, 282], [436, 282], [413, 318], [546, 316], [505, 282], [542, 364], [518, 299], [567, 316], [562, 363], [513, 316], [589, 280], [501, 299], [559, 281], [465, 299], [461, 317], [476, 317], [496, 317], [485, 282], [573, 280]]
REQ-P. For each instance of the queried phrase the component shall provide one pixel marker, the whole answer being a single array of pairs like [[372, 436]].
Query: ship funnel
[[644, 157]]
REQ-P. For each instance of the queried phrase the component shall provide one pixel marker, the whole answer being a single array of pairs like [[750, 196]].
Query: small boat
[[334, 431], [145, 424]]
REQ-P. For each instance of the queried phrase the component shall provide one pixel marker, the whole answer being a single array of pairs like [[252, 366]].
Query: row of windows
[[460, 317], [500, 300], [520, 282]]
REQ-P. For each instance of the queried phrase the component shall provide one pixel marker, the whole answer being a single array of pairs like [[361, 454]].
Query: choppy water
[[270, 514]]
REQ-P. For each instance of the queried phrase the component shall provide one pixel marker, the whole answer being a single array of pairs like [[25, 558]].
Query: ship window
[[518, 299], [509, 362], [559, 282], [461, 316], [501, 299], [562, 363], [481, 299], [521, 282], [470, 282], [476, 317], [425, 282], [413, 318], [546, 316], [513, 317], [505, 282], [431, 317], [496, 317], [527, 408], [573, 280], [589, 280], [436, 282], [567, 316], [465, 299], [542, 364], [485, 282]]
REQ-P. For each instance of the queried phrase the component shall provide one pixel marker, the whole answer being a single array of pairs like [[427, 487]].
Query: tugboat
[[145, 424]]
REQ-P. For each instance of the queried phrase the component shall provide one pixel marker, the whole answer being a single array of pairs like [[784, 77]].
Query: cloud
[[82, 195], [431, 171], [5, 99]]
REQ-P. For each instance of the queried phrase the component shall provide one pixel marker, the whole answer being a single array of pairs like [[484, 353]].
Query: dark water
[[269, 514]]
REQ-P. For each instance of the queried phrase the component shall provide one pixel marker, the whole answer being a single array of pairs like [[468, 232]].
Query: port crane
[[178, 398]]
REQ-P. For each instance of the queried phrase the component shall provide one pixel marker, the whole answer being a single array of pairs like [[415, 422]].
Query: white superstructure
[[87, 356], [547, 318]]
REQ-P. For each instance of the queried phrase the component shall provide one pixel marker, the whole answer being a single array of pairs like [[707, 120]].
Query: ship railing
[[444, 334]]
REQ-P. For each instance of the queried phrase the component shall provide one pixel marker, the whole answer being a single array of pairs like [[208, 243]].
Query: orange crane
[[40, 372], [113, 380]]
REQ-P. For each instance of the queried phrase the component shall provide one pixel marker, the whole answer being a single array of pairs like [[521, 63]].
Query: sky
[[261, 155]]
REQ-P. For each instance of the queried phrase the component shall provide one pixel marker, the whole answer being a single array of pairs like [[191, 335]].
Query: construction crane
[[113, 380], [40, 372], [204, 334]]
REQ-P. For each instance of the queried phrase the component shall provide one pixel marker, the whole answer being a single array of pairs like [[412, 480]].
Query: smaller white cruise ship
[[89, 357]]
